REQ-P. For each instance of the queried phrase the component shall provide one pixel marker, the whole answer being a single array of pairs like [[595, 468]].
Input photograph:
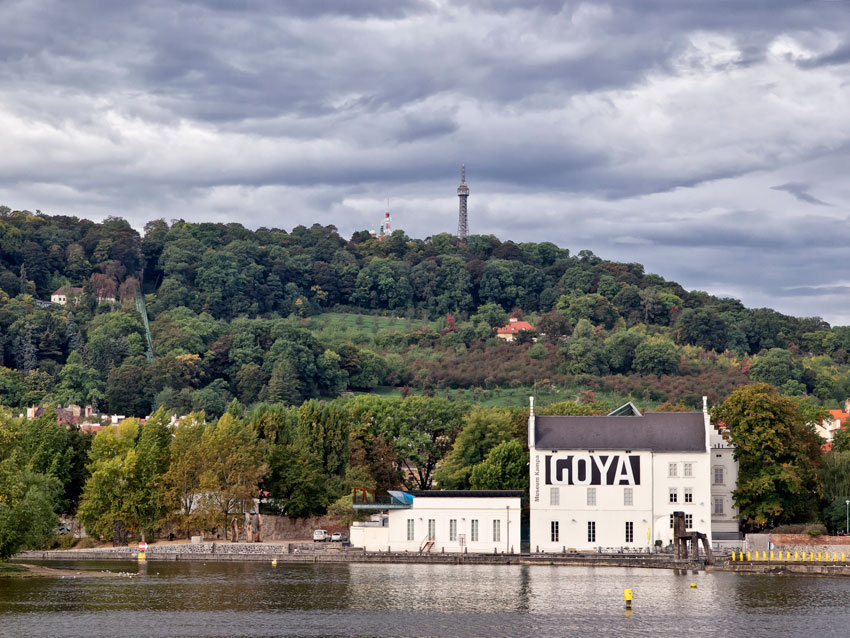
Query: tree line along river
[[168, 599]]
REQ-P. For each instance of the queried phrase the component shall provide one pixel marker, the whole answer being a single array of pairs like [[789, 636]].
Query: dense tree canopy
[[778, 454]]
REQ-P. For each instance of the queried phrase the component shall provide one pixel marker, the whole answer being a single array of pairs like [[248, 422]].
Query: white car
[[321, 535], [339, 536]]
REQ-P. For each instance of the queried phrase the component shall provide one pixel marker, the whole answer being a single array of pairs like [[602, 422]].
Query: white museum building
[[614, 481], [473, 521]]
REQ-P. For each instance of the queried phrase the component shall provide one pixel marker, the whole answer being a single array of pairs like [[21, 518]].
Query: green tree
[[777, 452], [423, 432], [491, 314], [106, 504], [182, 480], [776, 367], [296, 483], [233, 467], [656, 357], [505, 468], [483, 429], [78, 383], [30, 493]]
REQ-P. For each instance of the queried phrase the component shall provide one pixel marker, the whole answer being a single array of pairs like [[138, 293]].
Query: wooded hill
[[284, 316]]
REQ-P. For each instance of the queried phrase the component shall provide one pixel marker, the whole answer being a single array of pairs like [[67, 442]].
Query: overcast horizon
[[705, 140]]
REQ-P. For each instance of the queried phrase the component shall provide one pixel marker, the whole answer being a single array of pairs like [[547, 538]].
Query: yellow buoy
[[141, 557], [693, 585], [627, 596], [274, 562]]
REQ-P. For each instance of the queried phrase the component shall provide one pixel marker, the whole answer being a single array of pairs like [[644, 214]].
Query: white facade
[[450, 521], [617, 496], [724, 479]]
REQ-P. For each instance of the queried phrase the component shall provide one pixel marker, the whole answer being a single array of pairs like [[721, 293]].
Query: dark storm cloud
[[671, 133], [800, 192]]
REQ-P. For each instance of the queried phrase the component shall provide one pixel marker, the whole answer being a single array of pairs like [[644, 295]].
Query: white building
[[61, 295], [474, 521], [724, 478], [615, 481]]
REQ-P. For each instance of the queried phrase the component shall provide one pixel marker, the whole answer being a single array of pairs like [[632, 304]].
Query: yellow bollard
[[842, 557], [819, 558], [627, 596], [764, 556], [833, 557], [748, 557], [811, 557], [796, 556], [771, 555], [733, 557]]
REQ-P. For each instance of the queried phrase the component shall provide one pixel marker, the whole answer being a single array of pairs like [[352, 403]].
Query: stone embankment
[[332, 553]]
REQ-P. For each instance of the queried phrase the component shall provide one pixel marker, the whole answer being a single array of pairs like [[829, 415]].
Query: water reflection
[[227, 599]]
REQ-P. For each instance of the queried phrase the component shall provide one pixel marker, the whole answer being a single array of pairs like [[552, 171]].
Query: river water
[[256, 599]]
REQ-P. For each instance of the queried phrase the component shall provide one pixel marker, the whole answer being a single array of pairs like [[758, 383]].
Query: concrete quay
[[313, 553]]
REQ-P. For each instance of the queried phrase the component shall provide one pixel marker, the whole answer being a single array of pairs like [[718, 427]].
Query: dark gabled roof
[[656, 431], [467, 493]]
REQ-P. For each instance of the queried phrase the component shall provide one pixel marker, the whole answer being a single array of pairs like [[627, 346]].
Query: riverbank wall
[[320, 553], [801, 543]]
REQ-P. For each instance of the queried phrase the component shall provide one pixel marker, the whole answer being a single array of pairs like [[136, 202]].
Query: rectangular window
[[688, 469], [410, 535], [689, 495], [718, 476], [473, 530], [591, 496], [718, 505], [497, 531], [591, 531], [432, 529], [672, 470], [453, 529], [671, 521], [674, 495], [554, 531], [630, 532], [689, 521], [628, 496], [554, 496]]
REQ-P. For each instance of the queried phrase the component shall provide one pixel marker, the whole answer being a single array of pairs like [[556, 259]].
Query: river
[[169, 599]]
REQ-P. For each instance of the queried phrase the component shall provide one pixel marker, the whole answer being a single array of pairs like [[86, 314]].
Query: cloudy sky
[[708, 140]]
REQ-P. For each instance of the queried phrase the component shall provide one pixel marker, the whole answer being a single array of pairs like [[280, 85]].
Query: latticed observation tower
[[462, 193]]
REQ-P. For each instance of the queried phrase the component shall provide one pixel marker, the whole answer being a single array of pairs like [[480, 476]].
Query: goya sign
[[597, 469]]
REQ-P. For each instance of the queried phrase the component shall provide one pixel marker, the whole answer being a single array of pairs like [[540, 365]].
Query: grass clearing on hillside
[[367, 323], [508, 397]]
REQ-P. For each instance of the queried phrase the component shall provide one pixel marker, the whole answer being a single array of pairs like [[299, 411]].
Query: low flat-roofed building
[[474, 521]]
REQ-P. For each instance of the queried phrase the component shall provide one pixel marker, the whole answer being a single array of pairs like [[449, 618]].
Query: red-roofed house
[[61, 295], [839, 418], [513, 327]]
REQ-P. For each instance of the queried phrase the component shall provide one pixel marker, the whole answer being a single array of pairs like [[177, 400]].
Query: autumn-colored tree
[[777, 452]]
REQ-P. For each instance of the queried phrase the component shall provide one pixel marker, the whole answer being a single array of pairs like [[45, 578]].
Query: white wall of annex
[[462, 510]]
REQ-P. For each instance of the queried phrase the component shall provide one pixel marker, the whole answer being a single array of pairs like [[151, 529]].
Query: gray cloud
[[800, 192], [668, 134]]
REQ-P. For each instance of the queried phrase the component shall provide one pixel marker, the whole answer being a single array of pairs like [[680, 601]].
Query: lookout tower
[[463, 194]]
